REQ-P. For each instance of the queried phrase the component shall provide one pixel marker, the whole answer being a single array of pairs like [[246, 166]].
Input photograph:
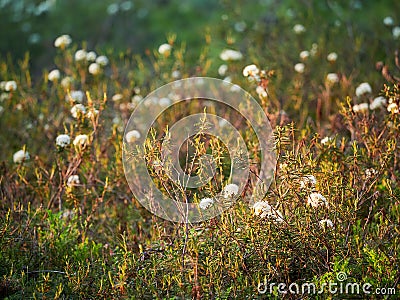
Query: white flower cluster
[[62, 41], [393, 107], [73, 180], [363, 88], [316, 199], [230, 190], [230, 55], [21, 156], [165, 49], [8, 86], [206, 203], [81, 140], [264, 210], [63, 140], [299, 29], [96, 62]]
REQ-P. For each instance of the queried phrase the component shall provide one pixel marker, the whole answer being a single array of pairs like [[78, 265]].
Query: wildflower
[[304, 55], [332, 78], [206, 203], [92, 113], [378, 102], [360, 108], [229, 54], [20, 156], [263, 209], [112, 9], [371, 172], [298, 29], [314, 49], [94, 69], [240, 26], [308, 181], [91, 56], [261, 92], [54, 75], [332, 57], [388, 21], [75, 96], [222, 70], [117, 97], [165, 49], [126, 5], [393, 108], [10, 86], [363, 88], [299, 68], [63, 140], [78, 109], [102, 60], [176, 74], [326, 223], [132, 136], [250, 70], [81, 140], [66, 82], [80, 55], [326, 140], [62, 41], [230, 190], [396, 32], [316, 199], [73, 180]]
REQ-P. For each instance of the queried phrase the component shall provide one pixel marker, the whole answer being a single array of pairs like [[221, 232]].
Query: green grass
[[94, 240]]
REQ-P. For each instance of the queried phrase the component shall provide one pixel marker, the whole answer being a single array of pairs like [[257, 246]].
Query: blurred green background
[[32, 25]]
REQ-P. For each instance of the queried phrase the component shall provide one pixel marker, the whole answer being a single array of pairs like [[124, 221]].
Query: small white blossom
[[91, 56], [393, 108], [132, 136], [73, 180], [326, 140], [388, 21], [378, 102], [62, 41], [94, 69], [230, 190], [314, 49], [54, 75], [361, 108], [304, 55], [332, 57], [229, 54], [117, 97], [326, 223], [176, 74], [308, 181], [363, 88], [206, 203], [240, 26], [263, 209], [332, 78], [222, 70], [92, 113], [81, 140], [316, 199], [165, 49], [371, 172], [66, 82], [298, 29], [20, 156], [78, 109], [102, 60], [63, 140], [112, 9], [126, 5], [80, 55], [261, 92], [75, 96], [250, 70], [299, 67], [10, 86], [396, 32]]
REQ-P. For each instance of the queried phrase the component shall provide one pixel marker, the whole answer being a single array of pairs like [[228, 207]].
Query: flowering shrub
[[70, 226]]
